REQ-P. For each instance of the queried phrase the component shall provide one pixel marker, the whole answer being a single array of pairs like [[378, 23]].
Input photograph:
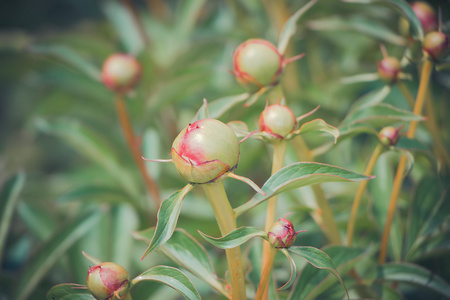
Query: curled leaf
[[235, 238]]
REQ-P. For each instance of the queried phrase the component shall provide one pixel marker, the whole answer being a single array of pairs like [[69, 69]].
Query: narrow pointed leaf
[[371, 98], [202, 113], [187, 253], [298, 175], [290, 27], [411, 145], [402, 7], [171, 277], [8, 199], [380, 115], [318, 125], [50, 252], [240, 128], [220, 106], [69, 291], [293, 270], [167, 218], [235, 238], [92, 259], [360, 78], [415, 275], [318, 259]]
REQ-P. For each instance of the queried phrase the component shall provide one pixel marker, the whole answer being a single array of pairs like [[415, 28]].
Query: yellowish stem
[[398, 180], [265, 275], [134, 146], [356, 202], [226, 219]]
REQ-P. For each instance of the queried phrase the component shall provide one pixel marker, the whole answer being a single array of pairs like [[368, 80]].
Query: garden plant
[[175, 149]]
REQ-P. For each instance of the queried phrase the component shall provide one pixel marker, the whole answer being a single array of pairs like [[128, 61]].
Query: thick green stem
[[226, 219], [356, 202], [265, 275], [324, 216]]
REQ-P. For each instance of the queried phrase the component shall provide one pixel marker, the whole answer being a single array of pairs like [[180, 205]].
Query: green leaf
[[293, 270], [367, 27], [171, 277], [8, 198], [411, 145], [167, 218], [318, 125], [50, 252], [415, 275], [92, 259], [360, 78], [371, 98], [402, 7], [355, 129], [92, 145], [70, 57], [188, 253], [69, 291], [235, 238], [186, 16], [380, 115], [318, 259], [298, 175], [220, 106], [290, 27]]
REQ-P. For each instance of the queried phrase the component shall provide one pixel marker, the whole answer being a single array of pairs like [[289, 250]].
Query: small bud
[[121, 72], [389, 136], [277, 120], [205, 150], [426, 15], [282, 234], [436, 44], [107, 281], [389, 69], [257, 63]]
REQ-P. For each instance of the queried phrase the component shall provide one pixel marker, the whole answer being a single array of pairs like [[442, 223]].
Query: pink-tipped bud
[[108, 281], [121, 72], [389, 69], [389, 136], [282, 234], [436, 44], [257, 63], [205, 150], [277, 120], [426, 15]]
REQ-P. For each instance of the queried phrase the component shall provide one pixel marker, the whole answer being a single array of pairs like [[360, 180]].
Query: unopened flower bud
[[205, 150], [436, 44], [426, 15], [389, 69], [257, 63], [277, 120], [389, 136], [282, 234], [121, 72], [107, 281]]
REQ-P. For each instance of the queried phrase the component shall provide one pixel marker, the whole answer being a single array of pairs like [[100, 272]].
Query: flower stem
[[356, 202], [265, 275], [226, 219], [398, 180], [133, 144], [324, 217]]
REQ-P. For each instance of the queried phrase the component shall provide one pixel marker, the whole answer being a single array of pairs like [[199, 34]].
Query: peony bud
[[277, 120], [107, 281], [436, 44], [121, 72], [205, 150], [389, 136], [282, 234], [426, 16], [389, 69], [257, 63]]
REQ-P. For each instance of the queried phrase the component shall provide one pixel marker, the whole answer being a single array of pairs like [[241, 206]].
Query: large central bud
[[205, 150]]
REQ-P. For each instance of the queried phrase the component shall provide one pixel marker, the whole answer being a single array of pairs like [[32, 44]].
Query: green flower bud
[[121, 72], [389, 136], [277, 120], [436, 45], [108, 281], [426, 15], [282, 234], [257, 63], [205, 150], [389, 69]]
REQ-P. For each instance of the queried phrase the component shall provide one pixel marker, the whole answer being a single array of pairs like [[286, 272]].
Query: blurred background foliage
[[81, 188]]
